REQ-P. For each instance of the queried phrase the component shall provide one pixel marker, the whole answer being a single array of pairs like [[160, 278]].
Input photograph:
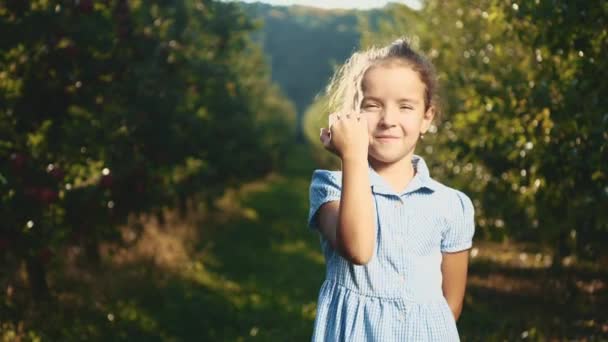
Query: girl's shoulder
[[450, 197], [458, 214], [324, 178]]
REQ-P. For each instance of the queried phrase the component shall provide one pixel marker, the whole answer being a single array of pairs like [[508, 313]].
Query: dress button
[[402, 314]]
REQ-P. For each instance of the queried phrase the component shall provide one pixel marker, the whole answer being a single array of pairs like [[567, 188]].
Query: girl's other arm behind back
[[454, 269], [348, 224]]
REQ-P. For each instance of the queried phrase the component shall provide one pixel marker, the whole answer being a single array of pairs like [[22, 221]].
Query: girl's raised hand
[[347, 136]]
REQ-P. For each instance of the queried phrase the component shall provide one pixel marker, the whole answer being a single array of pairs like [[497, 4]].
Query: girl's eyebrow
[[412, 101], [372, 98]]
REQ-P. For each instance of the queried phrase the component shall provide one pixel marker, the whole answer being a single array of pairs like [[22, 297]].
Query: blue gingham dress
[[397, 296]]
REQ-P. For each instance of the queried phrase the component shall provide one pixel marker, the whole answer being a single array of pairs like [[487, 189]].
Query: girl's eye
[[405, 108]]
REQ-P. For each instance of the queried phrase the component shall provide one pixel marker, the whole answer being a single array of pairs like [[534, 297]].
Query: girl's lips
[[386, 138]]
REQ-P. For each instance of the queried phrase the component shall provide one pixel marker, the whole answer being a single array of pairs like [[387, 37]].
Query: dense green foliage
[[112, 108]]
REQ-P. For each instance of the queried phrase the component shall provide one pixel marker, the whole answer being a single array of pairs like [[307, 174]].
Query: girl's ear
[[427, 120]]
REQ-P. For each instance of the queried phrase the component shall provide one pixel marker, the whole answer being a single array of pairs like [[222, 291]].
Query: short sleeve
[[325, 186], [461, 225]]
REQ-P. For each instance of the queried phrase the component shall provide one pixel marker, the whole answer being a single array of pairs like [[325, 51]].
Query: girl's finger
[[332, 119], [325, 136], [326, 140], [360, 117]]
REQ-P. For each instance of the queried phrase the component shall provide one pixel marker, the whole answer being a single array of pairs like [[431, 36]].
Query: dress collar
[[422, 179]]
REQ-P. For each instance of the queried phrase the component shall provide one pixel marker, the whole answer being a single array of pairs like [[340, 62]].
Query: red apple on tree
[[106, 181], [48, 195], [18, 161], [85, 6], [57, 173]]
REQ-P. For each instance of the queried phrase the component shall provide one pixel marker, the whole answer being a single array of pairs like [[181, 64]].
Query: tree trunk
[[91, 250], [561, 251], [36, 274]]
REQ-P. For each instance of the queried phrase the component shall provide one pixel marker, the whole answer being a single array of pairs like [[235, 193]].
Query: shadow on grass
[[507, 303], [252, 278], [276, 259], [258, 277]]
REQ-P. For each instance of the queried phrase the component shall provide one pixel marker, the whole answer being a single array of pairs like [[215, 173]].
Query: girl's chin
[[387, 158], [387, 154]]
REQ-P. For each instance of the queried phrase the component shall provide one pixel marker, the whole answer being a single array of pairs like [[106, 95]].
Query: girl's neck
[[398, 174]]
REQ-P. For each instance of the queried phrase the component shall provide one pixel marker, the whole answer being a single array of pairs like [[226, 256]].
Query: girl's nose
[[388, 117]]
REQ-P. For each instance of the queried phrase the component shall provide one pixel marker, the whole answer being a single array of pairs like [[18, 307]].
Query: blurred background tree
[[115, 107], [302, 46]]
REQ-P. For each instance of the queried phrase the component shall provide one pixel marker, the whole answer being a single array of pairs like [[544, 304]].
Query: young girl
[[395, 241]]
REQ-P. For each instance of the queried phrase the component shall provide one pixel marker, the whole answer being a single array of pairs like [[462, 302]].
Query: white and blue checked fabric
[[397, 296]]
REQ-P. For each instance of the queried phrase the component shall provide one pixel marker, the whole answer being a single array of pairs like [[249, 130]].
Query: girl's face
[[393, 102]]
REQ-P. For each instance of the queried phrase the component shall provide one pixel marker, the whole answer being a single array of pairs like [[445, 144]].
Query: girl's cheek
[[411, 120], [371, 125]]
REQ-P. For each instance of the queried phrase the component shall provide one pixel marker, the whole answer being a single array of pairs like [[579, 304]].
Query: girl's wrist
[[354, 160]]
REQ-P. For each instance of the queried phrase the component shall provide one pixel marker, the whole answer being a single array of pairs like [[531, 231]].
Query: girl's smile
[[387, 138]]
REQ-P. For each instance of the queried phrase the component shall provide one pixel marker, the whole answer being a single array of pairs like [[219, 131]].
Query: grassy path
[[255, 274]]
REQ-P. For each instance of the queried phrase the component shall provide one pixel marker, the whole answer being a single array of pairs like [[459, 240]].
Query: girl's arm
[[348, 224], [454, 270]]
